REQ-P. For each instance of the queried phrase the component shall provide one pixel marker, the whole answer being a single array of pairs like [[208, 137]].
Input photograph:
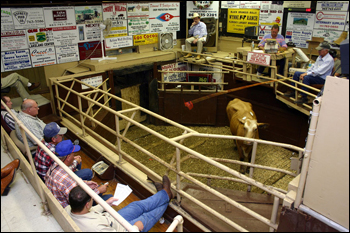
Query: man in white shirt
[[316, 74], [198, 30]]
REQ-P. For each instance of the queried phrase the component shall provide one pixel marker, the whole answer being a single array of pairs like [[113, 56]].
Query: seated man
[[337, 64], [5, 115], [28, 116], [199, 31], [316, 74], [18, 81], [144, 214], [53, 134], [60, 183], [282, 47]]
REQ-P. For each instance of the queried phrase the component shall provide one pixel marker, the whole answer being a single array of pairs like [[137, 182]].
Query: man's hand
[[111, 200], [103, 188], [92, 184], [78, 159], [301, 77], [195, 41], [194, 23], [139, 224]]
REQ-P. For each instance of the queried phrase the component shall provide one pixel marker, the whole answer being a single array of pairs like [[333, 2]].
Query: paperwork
[[121, 192]]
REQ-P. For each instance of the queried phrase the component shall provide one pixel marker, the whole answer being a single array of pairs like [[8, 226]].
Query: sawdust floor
[[221, 148]]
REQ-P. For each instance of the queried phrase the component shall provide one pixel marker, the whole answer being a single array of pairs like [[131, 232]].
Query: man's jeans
[[280, 62], [308, 80], [84, 174], [148, 211]]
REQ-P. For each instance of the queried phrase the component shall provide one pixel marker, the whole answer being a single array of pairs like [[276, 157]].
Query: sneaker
[[302, 100], [198, 57], [188, 55], [259, 74], [289, 94], [33, 86]]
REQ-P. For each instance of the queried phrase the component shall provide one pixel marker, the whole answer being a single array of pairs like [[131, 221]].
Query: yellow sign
[[239, 19], [143, 39]]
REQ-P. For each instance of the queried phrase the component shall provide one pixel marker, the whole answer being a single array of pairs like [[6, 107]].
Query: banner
[[239, 19]]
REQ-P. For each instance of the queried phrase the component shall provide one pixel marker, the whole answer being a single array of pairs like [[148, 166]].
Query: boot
[[6, 181], [9, 167], [33, 86], [342, 37], [198, 57], [188, 55], [167, 187], [158, 186]]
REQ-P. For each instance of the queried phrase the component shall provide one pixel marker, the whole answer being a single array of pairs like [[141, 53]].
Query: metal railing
[[178, 220], [117, 147]]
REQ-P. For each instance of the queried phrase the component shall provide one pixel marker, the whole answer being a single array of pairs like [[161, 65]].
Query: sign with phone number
[[144, 39]]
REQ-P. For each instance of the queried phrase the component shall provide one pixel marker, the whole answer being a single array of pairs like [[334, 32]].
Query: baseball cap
[[66, 147], [52, 129], [323, 45]]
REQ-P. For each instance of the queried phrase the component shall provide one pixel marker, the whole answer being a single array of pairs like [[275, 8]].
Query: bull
[[243, 122]]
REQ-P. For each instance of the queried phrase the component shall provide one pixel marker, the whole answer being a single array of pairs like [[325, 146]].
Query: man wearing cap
[[198, 30], [60, 183], [316, 74], [53, 134]]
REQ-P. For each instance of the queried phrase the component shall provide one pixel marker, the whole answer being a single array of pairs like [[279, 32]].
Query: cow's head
[[251, 127]]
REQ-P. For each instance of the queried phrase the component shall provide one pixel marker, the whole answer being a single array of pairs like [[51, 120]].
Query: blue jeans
[[104, 197], [84, 174], [308, 80], [281, 63], [148, 211]]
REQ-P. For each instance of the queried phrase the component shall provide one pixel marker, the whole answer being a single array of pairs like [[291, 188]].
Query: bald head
[[30, 107]]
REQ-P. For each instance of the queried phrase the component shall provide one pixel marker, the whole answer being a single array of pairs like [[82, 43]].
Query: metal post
[[118, 138], [81, 116], [276, 203], [178, 168], [252, 161]]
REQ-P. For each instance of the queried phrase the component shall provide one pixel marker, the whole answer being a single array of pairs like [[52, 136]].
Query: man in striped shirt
[[7, 116], [281, 48]]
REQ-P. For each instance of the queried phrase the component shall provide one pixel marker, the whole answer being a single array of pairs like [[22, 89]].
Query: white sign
[[300, 21], [328, 35], [15, 60], [119, 42], [299, 37], [164, 17], [43, 56], [88, 32], [59, 16], [13, 40], [67, 53], [88, 14], [230, 4], [25, 18], [271, 13], [332, 6], [6, 19], [175, 77], [65, 35], [94, 81], [296, 4], [138, 10], [40, 37], [138, 26], [250, 4], [119, 28], [206, 9], [114, 11], [259, 58], [330, 20]]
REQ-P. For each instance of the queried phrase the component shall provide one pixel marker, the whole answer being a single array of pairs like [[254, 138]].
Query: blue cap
[[66, 147], [52, 129]]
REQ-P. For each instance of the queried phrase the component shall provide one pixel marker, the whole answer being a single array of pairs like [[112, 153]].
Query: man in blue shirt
[[281, 48], [317, 73], [198, 30]]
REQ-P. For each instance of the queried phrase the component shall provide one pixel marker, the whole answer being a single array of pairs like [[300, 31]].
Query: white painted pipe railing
[[178, 222]]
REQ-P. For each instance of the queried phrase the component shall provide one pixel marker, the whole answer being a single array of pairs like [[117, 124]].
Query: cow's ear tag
[[244, 118], [251, 113]]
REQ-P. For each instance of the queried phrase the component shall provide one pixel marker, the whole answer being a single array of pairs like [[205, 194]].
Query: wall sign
[[68, 53], [59, 16], [43, 56], [13, 40], [146, 39], [239, 19], [330, 20], [332, 6], [119, 42], [114, 11], [6, 19], [25, 18], [94, 81], [206, 9], [164, 17], [259, 58], [15, 60]]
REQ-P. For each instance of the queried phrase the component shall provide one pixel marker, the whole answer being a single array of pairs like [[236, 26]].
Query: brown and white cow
[[243, 123]]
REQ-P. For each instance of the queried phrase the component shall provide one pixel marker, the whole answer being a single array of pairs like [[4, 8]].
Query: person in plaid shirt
[[53, 134], [60, 183]]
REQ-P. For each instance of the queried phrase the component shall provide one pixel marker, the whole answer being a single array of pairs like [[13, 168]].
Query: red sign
[[259, 58]]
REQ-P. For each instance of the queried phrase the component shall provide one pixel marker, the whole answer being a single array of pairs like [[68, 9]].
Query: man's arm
[[321, 69]]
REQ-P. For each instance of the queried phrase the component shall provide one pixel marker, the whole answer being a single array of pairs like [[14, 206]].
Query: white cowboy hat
[[195, 15]]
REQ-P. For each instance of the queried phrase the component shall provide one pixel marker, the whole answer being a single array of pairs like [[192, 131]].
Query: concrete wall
[[327, 184]]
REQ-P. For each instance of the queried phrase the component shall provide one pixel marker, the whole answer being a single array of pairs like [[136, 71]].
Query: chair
[[5, 126], [20, 144]]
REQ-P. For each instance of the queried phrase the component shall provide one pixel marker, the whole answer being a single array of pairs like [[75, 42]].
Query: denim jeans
[[308, 80], [104, 197], [280, 62], [148, 211], [84, 174]]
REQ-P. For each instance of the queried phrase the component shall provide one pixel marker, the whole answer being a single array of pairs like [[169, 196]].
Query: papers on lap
[[121, 192]]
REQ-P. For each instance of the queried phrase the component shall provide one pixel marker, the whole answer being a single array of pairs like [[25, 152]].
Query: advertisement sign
[[43, 56], [328, 35], [88, 32], [40, 37], [271, 13], [6, 19], [15, 60], [13, 40], [119, 28], [114, 11], [138, 26], [299, 37], [119, 42], [175, 77], [88, 14], [296, 4], [300, 21], [262, 59], [138, 10], [89, 50], [25, 18], [59, 16], [67, 53], [164, 17], [250, 4], [93, 81], [239, 19], [65, 35], [206, 9], [230, 4], [144, 39], [330, 20], [332, 6]]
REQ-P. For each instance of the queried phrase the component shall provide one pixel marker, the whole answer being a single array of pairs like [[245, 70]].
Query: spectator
[[282, 47], [18, 81], [316, 74], [53, 134], [5, 115], [28, 116], [59, 182], [199, 31], [144, 214], [337, 64], [8, 175]]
